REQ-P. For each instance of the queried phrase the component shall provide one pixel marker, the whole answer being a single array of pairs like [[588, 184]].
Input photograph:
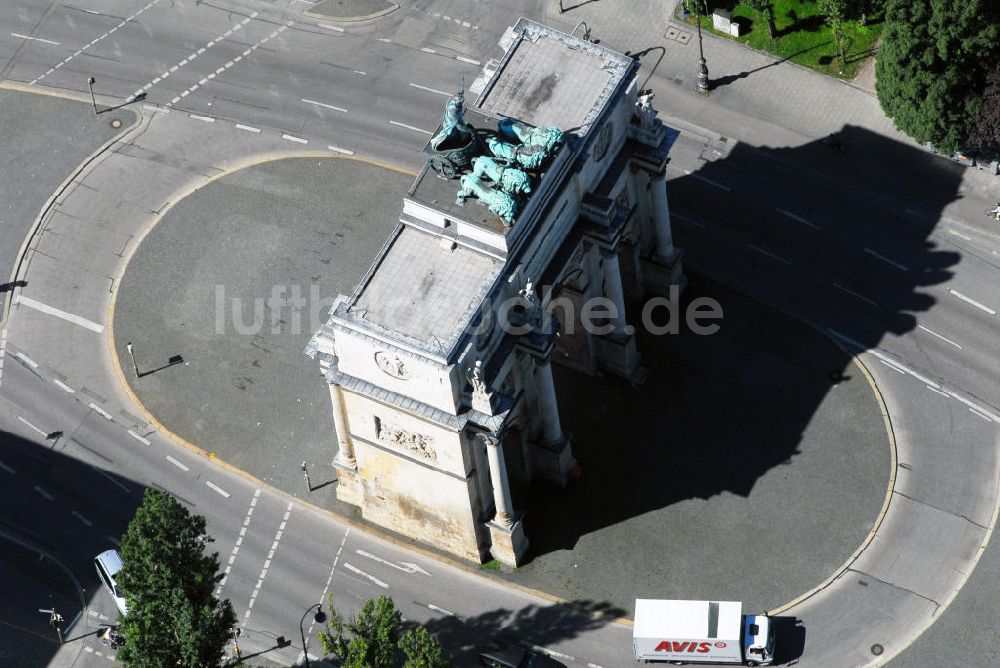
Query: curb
[[890, 488], [369, 529], [891, 483], [59, 191], [351, 19]]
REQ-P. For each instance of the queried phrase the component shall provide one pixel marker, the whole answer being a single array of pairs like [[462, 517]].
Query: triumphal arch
[[543, 202]]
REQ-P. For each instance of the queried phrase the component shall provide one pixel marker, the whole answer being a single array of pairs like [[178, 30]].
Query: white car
[[108, 565]]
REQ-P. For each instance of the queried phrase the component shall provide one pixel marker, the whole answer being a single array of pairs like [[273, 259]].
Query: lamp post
[[93, 100], [135, 367], [319, 618], [702, 67]]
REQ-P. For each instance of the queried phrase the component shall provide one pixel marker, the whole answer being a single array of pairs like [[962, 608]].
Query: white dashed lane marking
[[768, 254], [883, 258], [95, 40], [410, 127], [34, 39], [82, 519], [215, 488], [370, 578], [431, 90], [855, 294], [43, 493], [180, 465], [27, 360], [798, 219], [967, 300], [943, 338], [100, 411], [138, 437], [324, 105], [239, 540], [4, 467], [267, 563], [188, 60], [32, 427]]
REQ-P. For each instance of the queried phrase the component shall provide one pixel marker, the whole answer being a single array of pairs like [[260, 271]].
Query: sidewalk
[[750, 82]]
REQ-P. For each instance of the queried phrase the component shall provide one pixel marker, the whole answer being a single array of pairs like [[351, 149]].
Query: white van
[[108, 564]]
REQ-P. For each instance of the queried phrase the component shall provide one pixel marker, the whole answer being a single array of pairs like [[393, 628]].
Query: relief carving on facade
[[418, 444], [391, 364]]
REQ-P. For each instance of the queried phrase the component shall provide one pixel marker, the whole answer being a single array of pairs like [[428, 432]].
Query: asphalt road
[[866, 244]]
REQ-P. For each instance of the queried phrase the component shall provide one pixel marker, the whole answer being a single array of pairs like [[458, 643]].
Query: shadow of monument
[[720, 412]]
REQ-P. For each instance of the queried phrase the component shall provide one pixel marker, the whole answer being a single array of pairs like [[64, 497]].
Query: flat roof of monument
[[548, 77], [423, 291]]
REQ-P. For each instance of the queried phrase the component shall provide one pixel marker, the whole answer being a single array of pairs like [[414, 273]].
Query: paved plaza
[[739, 470]]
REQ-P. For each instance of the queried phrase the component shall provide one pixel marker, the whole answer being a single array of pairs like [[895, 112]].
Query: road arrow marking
[[404, 566], [413, 568], [441, 610], [360, 572]]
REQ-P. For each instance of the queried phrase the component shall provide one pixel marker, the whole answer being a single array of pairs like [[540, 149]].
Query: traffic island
[[222, 296], [351, 10], [749, 466]]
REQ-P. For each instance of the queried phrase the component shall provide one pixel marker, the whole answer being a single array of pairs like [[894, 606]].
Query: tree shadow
[[540, 625], [62, 545], [812, 23]]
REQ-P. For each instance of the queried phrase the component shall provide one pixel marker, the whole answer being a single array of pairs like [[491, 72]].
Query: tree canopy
[[173, 618], [984, 135], [932, 64], [372, 639]]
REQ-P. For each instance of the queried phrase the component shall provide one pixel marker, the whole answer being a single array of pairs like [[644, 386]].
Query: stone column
[[551, 428], [613, 288], [661, 217], [501, 486], [345, 450]]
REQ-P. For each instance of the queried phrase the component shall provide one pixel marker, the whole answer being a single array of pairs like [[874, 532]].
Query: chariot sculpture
[[450, 150]]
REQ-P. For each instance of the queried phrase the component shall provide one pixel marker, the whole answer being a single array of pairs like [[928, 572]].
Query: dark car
[[512, 656]]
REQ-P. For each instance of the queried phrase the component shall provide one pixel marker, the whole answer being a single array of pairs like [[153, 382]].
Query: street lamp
[[702, 67], [135, 367], [90, 83], [319, 618]]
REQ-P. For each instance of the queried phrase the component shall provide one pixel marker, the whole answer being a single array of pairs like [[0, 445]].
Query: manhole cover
[[116, 123], [877, 649]]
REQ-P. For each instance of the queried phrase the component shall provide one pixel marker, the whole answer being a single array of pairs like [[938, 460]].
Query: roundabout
[[750, 466]]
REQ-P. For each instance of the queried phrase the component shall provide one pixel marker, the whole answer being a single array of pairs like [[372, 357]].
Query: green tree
[[932, 66], [372, 639], [835, 12], [422, 650], [984, 134], [173, 618], [764, 9]]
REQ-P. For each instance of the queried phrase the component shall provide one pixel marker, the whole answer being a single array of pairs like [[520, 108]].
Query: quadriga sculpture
[[548, 138], [496, 200], [511, 180]]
